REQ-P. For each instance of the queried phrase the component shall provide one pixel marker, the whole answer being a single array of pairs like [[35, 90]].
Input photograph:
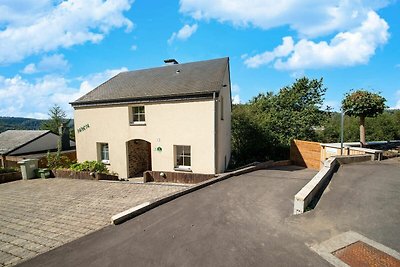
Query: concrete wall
[[167, 124]]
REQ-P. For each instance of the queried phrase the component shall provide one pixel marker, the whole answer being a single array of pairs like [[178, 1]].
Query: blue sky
[[54, 51]]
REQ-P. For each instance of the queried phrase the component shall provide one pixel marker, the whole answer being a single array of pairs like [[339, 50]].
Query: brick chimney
[[63, 131], [171, 61]]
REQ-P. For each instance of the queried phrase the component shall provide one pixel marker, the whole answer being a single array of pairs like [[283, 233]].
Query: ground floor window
[[183, 159], [104, 153]]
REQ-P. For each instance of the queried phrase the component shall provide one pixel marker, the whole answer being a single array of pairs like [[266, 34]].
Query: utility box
[[28, 167]]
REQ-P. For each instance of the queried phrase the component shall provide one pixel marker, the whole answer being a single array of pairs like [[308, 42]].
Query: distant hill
[[11, 123], [15, 123]]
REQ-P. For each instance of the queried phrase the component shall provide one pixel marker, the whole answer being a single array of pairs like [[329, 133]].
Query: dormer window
[[138, 115]]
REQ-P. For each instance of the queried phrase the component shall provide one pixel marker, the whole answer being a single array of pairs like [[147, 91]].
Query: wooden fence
[[306, 154]]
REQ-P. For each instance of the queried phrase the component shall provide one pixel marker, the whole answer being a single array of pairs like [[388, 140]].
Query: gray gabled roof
[[171, 81], [12, 139]]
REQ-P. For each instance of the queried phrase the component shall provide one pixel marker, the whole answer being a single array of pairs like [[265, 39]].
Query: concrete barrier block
[[127, 214], [314, 187]]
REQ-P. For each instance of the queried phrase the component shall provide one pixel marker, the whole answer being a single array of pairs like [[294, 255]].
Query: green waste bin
[[43, 173]]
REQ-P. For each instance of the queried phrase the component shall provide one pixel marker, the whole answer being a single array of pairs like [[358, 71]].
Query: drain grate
[[361, 254]]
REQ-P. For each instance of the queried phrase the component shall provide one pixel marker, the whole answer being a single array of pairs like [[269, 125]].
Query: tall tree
[[249, 142], [57, 117], [362, 104], [264, 127], [294, 112]]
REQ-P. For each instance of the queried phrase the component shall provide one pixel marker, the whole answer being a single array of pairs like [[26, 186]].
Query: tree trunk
[[362, 132]]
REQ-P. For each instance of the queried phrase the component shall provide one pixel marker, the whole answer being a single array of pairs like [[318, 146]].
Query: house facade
[[172, 118]]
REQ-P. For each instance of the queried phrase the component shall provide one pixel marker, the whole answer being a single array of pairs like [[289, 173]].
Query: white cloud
[[236, 99], [89, 82], [134, 47], [235, 88], [349, 48], [29, 29], [357, 29], [235, 91], [30, 69], [282, 50], [20, 97], [397, 105], [55, 62], [184, 33], [307, 17]]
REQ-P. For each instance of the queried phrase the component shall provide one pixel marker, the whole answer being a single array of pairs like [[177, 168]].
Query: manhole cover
[[361, 254]]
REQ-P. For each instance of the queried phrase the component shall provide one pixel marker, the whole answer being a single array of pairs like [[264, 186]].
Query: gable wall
[[224, 126]]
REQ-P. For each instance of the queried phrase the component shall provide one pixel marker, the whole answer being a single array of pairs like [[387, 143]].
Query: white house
[[171, 118]]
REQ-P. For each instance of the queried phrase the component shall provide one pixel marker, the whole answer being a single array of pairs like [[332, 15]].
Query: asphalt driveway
[[247, 221], [235, 222], [39, 215]]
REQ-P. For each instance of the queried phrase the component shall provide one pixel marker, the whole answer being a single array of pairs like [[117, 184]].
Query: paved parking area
[[39, 215]]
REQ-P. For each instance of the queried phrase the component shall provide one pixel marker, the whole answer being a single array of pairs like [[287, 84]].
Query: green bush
[[7, 170], [92, 166], [56, 161]]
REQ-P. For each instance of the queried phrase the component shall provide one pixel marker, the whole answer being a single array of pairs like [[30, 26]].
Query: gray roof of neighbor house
[[12, 139], [194, 79]]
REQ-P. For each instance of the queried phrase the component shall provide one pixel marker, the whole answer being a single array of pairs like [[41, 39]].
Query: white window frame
[[185, 156], [139, 114], [104, 154]]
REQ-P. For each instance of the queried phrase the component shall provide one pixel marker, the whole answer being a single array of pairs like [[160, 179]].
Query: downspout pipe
[[215, 133]]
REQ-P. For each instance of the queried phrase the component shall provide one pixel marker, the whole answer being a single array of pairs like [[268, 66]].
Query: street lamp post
[[343, 112], [341, 131]]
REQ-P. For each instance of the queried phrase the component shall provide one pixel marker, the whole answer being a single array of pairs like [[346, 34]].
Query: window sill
[[183, 169], [106, 162], [137, 123]]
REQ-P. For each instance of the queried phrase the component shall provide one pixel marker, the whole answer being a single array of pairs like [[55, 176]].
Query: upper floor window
[[138, 115]]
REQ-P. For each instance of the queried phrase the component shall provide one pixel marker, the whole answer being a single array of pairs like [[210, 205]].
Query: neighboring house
[[15, 144], [171, 118]]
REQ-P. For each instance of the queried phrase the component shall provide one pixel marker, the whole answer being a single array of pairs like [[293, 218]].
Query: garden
[[62, 167]]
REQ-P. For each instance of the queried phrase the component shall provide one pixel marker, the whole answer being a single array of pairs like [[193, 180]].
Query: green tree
[[294, 112], [57, 118], [265, 126], [249, 141], [362, 104], [383, 127]]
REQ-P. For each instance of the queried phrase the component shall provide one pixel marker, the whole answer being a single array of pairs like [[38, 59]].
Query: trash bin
[[28, 167]]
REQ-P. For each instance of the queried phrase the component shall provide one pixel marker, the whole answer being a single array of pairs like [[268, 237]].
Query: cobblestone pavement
[[39, 215]]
